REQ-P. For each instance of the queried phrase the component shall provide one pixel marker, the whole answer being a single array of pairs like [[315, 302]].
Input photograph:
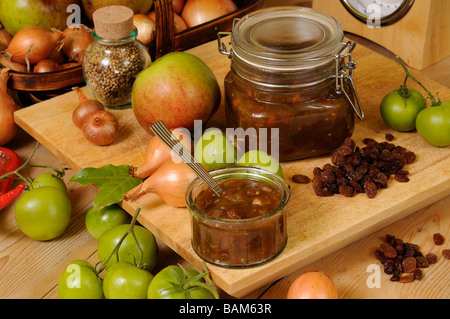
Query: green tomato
[[433, 124], [126, 281], [213, 150], [43, 213], [79, 280], [173, 283], [260, 159], [48, 179], [99, 220], [400, 113], [128, 251]]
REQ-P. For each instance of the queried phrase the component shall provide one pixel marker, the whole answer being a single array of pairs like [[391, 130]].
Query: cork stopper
[[113, 22]]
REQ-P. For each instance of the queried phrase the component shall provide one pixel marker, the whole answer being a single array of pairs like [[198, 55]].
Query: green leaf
[[113, 181]]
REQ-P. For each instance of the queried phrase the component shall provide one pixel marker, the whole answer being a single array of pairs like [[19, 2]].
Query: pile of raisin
[[362, 170], [405, 261]]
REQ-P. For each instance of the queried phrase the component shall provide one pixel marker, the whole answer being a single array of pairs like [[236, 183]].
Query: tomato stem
[[434, 101], [29, 181], [194, 282], [115, 251]]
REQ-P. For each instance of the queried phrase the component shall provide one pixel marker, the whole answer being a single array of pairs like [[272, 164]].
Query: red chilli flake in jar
[[291, 74], [246, 226]]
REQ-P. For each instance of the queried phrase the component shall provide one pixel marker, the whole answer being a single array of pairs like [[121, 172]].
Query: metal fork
[[165, 135]]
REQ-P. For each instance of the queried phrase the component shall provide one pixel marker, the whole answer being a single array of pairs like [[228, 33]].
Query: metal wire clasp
[[343, 77], [222, 46]]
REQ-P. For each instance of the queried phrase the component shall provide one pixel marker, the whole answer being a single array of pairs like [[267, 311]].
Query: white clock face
[[386, 10]]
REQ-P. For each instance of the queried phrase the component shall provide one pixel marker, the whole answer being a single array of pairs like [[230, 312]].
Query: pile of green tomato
[[405, 109], [128, 254]]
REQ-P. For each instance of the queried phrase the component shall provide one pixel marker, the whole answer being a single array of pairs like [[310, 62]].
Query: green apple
[[261, 159], [213, 150]]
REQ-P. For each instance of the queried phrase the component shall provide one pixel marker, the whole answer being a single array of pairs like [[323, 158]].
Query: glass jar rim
[[247, 171], [287, 38], [133, 34]]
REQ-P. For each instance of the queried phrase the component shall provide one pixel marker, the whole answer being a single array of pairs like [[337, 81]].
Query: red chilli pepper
[[8, 197], [9, 161]]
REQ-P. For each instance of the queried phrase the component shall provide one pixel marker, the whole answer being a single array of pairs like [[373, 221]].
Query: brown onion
[[9, 128], [157, 153], [101, 128], [178, 6], [145, 27], [84, 108], [170, 182], [32, 44], [78, 38], [196, 12], [312, 285], [178, 22], [46, 65]]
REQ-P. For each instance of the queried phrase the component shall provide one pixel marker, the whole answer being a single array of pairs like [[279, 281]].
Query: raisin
[[446, 253], [389, 137], [389, 266], [409, 264], [422, 262], [418, 274], [406, 278], [401, 178], [388, 250], [390, 239], [370, 189], [380, 256], [431, 258], [300, 179], [438, 239], [347, 191]]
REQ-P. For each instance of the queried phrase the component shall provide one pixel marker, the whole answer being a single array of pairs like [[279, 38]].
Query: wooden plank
[[316, 226]]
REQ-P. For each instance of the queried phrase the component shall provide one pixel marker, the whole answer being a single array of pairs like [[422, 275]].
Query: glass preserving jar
[[291, 74], [114, 58], [247, 225]]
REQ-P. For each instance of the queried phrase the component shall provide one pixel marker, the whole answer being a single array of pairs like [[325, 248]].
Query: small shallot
[[84, 108], [170, 182], [157, 153], [46, 65], [145, 26], [312, 285], [101, 128]]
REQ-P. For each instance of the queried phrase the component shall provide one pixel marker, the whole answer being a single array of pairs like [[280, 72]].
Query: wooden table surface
[[30, 269]]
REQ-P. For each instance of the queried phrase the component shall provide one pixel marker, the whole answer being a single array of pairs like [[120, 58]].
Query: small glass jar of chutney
[[291, 74], [114, 58]]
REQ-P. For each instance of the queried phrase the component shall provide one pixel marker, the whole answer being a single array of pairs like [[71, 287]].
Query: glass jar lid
[[289, 38]]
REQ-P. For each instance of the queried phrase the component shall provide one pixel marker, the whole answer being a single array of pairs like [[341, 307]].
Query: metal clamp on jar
[[292, 71]]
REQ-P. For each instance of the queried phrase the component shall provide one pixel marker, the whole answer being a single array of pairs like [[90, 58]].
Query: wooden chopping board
[[316, 226]]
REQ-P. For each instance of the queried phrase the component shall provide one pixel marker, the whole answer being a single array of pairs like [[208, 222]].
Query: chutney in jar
[[291, 74], [246, 225]]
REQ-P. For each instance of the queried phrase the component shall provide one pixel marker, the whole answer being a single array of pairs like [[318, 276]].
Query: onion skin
[[101, 128], [146, 28], [84, 108], [178, 6], [77, 39], [13, 66], [157, 153], [312, 285], [33, 43], [196, 12], [9, 128], [178, 22], [5, 38], [170, 182]]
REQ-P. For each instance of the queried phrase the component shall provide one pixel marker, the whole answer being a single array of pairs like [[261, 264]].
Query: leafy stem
[[435, 101], [115, 251]]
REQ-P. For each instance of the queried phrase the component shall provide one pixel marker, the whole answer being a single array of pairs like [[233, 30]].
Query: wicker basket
[[35, 87]]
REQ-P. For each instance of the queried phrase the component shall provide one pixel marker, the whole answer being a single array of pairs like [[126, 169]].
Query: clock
[[416, 30], [381, 12]]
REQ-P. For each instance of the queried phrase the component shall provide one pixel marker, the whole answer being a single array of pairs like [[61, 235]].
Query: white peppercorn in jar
[[114, 58], [292, 73]]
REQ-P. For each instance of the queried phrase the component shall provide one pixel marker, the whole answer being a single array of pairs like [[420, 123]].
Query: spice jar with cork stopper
[[114, 58]]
